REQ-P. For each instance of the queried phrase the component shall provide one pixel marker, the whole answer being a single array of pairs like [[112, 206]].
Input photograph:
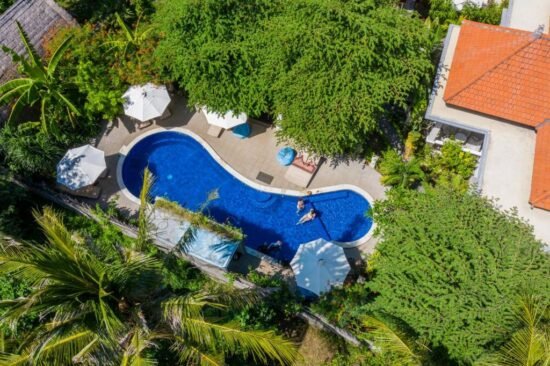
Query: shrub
[[397, 172], [451, 167], [451, 266], [490, 13]]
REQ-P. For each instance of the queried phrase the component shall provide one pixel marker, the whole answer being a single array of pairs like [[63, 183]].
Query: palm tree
[[114, 309], [39, 83], [399, 173], [530, 345], [389, 335]]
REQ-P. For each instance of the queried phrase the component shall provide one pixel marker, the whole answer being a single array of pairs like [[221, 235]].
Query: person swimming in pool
[[307, 217], [266, 248], [300, 205]]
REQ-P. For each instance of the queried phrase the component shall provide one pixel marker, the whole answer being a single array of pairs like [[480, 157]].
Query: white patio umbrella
[[227, 120], [80, 167], [319, 265], [145, 102]]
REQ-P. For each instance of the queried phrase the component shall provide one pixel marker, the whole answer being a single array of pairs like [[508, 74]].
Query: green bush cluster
[[449, 167], [331, 68], [449, 266]]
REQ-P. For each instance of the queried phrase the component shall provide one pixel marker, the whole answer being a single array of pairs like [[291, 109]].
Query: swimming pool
[[186, 172]]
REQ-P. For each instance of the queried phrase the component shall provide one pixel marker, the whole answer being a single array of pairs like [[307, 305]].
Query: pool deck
[[248, 157]]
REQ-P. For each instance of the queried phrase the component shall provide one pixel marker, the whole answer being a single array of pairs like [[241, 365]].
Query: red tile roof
[[505, 73], [540, 183], [501, 72]]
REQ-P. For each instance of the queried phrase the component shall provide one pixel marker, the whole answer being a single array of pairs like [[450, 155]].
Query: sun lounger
[[302, 169], [214, 131], [87, 192]]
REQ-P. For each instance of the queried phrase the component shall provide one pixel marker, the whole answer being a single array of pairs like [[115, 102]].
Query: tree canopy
[[452, 267], [331, 68]]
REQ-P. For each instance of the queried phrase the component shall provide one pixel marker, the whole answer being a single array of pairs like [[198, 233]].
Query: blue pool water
[[185, 172]]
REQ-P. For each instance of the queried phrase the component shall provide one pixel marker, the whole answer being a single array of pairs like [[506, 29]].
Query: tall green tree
[[331, 68], [450, 266], [39, 84], [108, 310], [340, 67], [208, 46]]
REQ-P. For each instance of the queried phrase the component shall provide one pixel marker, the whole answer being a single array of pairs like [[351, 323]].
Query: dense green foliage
[[331, 68], [39, 86], [451, 166], [448, 167], [111, 305], [5, 4], [397, 172], [93, 73], [490, 13], [449, 269], [446, 13], [104, 10], [452, 267]]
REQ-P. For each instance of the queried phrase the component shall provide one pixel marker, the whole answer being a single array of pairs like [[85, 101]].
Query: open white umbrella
[[80, 167], [145, 102], [319, 265], [227, 120]]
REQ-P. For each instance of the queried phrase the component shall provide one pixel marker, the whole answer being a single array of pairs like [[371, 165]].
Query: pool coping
[[289, 192]]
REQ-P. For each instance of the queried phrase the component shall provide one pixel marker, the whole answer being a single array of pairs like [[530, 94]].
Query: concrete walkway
[[249, 157]]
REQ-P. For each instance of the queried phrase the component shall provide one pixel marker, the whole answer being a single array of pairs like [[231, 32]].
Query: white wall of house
[[529, 15]]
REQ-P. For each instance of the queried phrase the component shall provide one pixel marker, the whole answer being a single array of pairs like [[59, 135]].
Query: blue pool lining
[[289, 192]]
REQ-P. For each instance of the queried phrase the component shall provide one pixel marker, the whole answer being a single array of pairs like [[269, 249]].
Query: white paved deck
[[249, 157]]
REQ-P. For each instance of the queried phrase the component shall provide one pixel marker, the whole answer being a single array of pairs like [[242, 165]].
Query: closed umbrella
[[319, 265], [227, 120], [145, 102], [80, 167]]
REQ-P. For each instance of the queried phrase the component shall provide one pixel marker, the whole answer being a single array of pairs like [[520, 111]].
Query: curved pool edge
[[289, 192]]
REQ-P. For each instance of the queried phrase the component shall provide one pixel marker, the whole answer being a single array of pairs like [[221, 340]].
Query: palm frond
[[529, 346], [125, 29], [262, 346], [57, 350], [33, 55], [58, 55], [392, 340], [13, 88], [145, 211], [190, 355]]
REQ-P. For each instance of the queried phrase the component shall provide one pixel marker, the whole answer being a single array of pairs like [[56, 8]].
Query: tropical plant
[[29, 153], [530, 344], [451, 265], [145, 212], [451, 166], [39, 84], [115, 310], [391, 336], [397, 172], [129, 39]]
